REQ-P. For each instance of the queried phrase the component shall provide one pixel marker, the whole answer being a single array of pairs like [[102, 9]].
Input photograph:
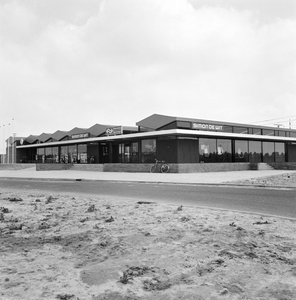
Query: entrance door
[[104, 153]]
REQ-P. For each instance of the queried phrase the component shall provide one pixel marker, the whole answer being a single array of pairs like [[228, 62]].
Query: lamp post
[[8, 144], [13, 135], [4, 150]]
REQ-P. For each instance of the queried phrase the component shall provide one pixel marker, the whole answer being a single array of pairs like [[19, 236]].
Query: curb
[[222, 184]]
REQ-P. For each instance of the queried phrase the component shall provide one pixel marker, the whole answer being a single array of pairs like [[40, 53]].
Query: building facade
[[172, 139]]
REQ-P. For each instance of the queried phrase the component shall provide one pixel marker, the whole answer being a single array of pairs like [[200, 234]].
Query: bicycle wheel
[[164, 168], [153, 169]]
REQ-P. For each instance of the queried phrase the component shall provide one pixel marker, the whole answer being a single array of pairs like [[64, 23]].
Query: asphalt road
[[256, 200]]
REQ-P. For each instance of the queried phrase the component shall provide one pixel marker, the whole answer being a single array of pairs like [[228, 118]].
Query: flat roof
[[157, 121], [152, 134]]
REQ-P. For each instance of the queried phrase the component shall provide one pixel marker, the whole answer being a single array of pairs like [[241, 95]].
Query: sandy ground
[[283, 180], [64, 247]]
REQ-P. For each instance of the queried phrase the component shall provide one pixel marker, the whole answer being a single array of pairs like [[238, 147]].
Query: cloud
[[122, 60]]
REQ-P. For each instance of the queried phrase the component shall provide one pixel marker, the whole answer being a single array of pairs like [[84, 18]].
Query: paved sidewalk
[[190, 178]]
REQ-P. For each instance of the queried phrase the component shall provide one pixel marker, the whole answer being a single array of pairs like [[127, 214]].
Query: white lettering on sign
[[80, 135], [200, 126]]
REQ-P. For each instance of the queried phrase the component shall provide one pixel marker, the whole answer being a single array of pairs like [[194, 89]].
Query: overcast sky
[[68, 63]]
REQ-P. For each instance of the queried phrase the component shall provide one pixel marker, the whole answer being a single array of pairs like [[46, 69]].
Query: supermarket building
[[188, 145]]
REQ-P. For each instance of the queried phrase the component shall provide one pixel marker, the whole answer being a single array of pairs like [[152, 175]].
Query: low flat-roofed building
[[176, 140]]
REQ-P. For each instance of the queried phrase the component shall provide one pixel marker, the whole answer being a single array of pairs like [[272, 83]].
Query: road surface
[[256, 200]]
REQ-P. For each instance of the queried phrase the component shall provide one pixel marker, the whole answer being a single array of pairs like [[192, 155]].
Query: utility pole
[[290, 124]]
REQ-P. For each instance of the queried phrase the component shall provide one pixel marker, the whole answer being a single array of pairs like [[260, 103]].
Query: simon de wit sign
[[202, 126]]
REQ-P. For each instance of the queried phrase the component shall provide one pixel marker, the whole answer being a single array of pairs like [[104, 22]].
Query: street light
[[4, 152], [12, 150], [8, 144]]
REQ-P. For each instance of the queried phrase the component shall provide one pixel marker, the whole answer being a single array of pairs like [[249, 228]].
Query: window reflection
[[148, 150], [224, 152], [207, 150], [82, 154], [64, 155], [255, 151], [241, 151], [268, 152], [280, 152]]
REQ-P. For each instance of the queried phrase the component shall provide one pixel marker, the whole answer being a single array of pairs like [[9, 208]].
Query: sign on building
[[80, 136], [201, 126], [114, 130]]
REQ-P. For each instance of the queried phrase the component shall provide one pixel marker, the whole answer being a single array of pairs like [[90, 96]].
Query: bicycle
[[161, 166]]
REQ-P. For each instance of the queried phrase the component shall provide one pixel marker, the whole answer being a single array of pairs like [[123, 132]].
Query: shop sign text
[[201, 126], [80, 135]]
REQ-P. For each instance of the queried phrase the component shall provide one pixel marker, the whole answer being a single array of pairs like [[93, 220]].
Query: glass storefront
[[135, 152], [128, 152], [255, 152], [268, 152], [207, 150], [224, 151], [82, 154], [280, 153], [148, 150], [55, 154], [241, 149], [72, 154], [215, 150], [64, 155], [40, 156]]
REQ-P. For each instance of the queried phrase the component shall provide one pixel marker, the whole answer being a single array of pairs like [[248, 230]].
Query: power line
[[276, 119]]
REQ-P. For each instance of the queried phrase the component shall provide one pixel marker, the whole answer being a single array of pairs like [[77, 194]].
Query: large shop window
[[241, 151], [280, 153], [207, 150], [268, 152], [224, 152], [40, 156], [135, 152], [52, 155], [72, 154], [255, 151], [148, 150], [128, 152], [64, 158], [82, 154]]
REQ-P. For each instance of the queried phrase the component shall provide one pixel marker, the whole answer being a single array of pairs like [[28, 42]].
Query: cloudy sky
[[68, 63]]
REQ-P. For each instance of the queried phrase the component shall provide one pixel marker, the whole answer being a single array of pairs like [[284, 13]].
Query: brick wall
[[88, 167], [53, 167], [284, 166], [138, 168], [174, 168], [212, 167], [179, 168], [16, 166]]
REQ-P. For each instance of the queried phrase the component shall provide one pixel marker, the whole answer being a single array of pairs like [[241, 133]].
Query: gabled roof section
[[76, 130], [58, 135], [31, 139], [43, 137], [156, 121], [98, 129]]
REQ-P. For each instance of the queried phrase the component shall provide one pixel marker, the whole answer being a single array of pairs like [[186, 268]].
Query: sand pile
[[64, 247], [284, 180]]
